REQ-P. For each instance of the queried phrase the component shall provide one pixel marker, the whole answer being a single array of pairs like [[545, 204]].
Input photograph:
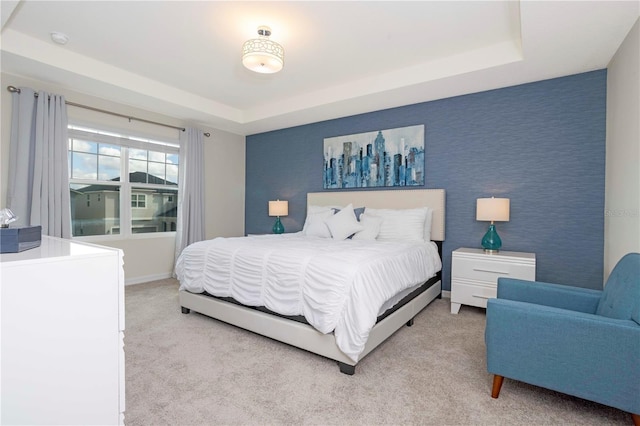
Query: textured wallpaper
[[540, 144]]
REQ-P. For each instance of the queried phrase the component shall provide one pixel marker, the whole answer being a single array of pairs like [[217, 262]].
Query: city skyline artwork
[[381, 158]]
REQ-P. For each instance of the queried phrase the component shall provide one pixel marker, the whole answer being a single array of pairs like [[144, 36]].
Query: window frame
[[101, 134], [140, 198]]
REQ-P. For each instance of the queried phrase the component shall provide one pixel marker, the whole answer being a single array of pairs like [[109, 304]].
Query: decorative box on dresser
[[62, 359], [475, 273]]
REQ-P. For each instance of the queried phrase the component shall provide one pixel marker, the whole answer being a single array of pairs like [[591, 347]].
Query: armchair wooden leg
[[636, 419], [497, 384]]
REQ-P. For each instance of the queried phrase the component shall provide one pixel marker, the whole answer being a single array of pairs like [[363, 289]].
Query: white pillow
[[371, 225], [427, 224], [315, 226], [313, 210], [401, 224], [343, 224]]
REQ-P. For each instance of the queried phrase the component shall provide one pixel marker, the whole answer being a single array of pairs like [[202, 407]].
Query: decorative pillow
[[343, 224], [357, 210], [371, 225], [315, 226], [401, 224]]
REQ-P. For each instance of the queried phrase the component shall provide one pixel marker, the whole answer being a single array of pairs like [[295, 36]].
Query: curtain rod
[[13, 89]]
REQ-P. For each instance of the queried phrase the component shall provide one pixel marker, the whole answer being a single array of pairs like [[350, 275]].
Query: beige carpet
[[192, 370]]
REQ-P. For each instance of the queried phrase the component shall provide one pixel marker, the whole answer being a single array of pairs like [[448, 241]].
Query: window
[[138, 201], [106, 169]]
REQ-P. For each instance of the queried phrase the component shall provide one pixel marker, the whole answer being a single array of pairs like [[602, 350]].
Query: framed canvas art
[[382, 158]]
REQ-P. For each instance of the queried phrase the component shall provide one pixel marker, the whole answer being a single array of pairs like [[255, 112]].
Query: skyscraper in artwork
[[380, 156]]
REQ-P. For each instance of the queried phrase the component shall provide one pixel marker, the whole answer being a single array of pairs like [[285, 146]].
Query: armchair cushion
[[621, 295]]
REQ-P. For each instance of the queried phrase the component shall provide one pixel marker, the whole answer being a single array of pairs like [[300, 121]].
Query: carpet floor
[[193, 370]]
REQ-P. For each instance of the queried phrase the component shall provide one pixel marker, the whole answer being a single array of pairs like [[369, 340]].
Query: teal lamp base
[[491, 241], [277, 227]]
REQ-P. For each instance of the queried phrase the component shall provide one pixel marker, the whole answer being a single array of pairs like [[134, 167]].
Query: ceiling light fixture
[[261, 54]]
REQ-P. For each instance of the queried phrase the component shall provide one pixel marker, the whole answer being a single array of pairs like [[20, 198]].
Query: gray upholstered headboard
[[390, 199]]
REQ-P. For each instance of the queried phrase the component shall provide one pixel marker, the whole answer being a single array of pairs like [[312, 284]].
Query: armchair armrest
[[555, 295], [585, 355]]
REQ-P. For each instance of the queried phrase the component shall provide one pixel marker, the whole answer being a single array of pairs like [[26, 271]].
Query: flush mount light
[[59, 38], [261, 54]]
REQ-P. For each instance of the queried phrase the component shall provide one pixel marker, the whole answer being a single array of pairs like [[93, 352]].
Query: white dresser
[[475, 273], [62, 312]]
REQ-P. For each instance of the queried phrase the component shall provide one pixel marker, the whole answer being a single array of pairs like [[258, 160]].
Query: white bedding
[[338, 286]]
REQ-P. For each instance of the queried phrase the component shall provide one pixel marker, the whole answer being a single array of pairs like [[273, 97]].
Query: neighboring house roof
[[135, 177], [143, 177]]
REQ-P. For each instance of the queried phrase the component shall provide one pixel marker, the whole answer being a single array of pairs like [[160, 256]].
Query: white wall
[[149, 257], [622, 179]]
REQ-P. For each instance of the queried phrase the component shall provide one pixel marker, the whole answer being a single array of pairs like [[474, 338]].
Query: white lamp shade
[[278, 208], [492, 209]]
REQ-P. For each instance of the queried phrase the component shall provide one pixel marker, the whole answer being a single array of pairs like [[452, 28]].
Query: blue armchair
[[572, 340]]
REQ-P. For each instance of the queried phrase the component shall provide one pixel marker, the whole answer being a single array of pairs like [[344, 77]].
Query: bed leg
[[410, 322], [185, 310], [346, 368]]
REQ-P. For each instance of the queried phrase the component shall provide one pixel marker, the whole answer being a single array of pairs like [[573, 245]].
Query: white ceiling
[[182, 58]]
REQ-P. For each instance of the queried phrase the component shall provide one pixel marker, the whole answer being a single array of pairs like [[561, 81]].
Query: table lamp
[[278, 208], [492, 209]]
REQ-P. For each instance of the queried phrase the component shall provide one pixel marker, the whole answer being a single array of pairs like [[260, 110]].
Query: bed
[[320, 338]]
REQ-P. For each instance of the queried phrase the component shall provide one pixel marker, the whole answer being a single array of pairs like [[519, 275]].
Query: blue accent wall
[[540, 144]]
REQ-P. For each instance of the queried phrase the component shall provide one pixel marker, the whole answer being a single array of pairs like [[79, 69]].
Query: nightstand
[[475, 273]]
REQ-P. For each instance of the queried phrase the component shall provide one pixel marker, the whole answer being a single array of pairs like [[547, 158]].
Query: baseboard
[[147, 278], [446, 294]]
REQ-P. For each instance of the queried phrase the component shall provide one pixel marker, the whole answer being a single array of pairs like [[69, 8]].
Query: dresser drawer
[[473, 294], [490, 270]]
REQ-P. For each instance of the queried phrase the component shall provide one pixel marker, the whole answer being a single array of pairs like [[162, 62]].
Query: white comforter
[[338, 286]]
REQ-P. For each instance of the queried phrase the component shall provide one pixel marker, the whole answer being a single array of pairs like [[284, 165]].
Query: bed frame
[[305, 336]]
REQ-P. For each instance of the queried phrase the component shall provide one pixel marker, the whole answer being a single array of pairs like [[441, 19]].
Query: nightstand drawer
[[490, 270], [473, 294], [475, 273]]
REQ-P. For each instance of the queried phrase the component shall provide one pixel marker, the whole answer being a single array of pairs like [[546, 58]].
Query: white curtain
[[38, 189], [190, 227]]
